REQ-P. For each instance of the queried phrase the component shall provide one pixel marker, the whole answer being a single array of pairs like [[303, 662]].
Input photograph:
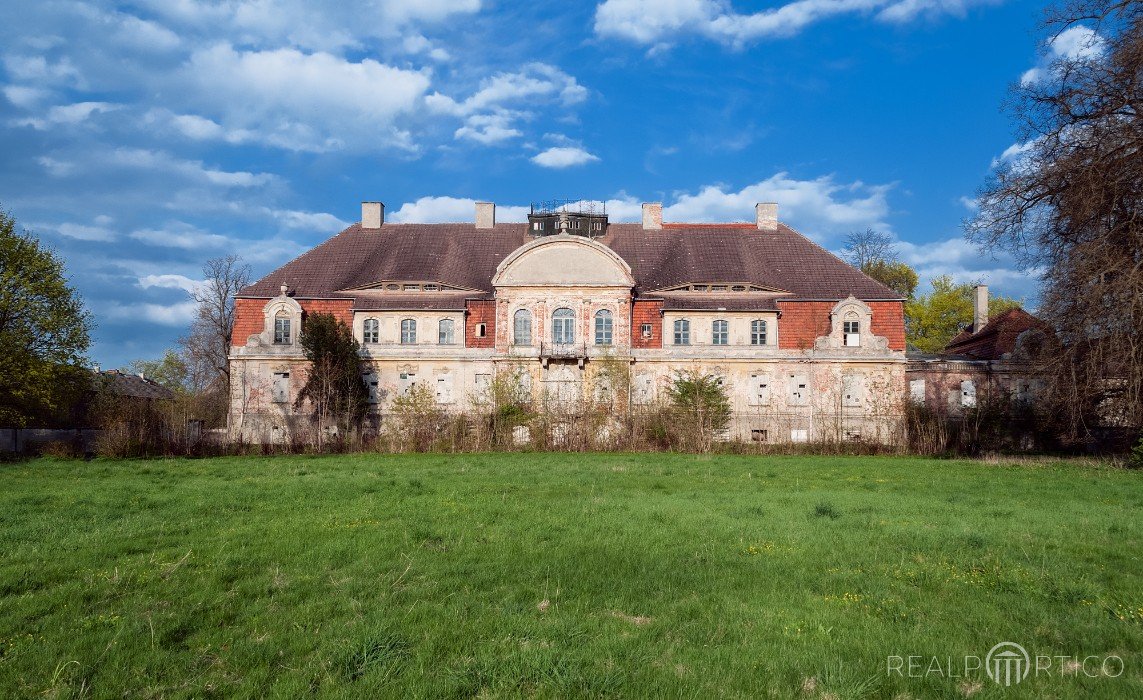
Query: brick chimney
[[979, 307], [485, 215], [372, 214], [766, 216], [652, 215]]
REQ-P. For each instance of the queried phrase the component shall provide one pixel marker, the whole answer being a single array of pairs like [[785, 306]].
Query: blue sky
[[142, 138]]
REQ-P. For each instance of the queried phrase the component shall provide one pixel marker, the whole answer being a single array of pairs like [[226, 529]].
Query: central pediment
[[563, 261]]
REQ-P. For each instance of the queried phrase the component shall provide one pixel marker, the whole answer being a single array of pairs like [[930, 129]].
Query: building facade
[[807, 347]]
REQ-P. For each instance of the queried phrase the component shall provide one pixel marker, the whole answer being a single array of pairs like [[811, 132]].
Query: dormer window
[[282, 329], [852, 333]]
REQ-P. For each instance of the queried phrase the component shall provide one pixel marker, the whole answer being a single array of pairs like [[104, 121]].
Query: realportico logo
[[1007, 663]]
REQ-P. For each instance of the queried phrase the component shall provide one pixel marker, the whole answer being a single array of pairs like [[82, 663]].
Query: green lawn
[[563, 575]]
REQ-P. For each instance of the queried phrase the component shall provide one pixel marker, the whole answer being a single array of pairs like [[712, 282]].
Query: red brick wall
[[480, 312], [248, 318], [647, 312], [803, 322]]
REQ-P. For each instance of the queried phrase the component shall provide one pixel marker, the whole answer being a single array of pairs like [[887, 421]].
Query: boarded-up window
[[372, 392], [968, 394], [406, 381], [280, 388], [644, 388], [482, 382], [799, 435], [917, 391], [444, 388], [759, 389], [852, 390], [758, 434], [799, 390]]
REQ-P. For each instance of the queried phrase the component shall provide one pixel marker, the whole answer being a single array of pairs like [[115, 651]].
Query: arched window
[[758, 332], [682, 332], [408, 331], [603, 327], [718, 332], [563, 327], [282, 328], [371, 331], [444, 331], [522, 327]]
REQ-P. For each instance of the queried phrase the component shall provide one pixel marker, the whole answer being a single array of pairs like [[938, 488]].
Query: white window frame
[[446, 332], [682, 334], [563, 326], [522, 328], [719, 332], [604, 327], [371, 331], [758, 328], [283, 322], [408, 331]]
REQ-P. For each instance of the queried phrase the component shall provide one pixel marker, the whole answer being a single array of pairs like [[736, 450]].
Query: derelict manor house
[[807, 347]]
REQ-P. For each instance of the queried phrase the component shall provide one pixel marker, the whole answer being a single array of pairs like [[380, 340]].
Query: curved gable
[[563, 261]]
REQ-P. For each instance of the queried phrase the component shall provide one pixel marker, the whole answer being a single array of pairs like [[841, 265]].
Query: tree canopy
[[334, 386], [1070, 205], [44, 332], [935, 318]]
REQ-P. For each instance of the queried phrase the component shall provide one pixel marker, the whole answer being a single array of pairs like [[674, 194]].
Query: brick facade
[[803, 322], [248, 318], [479, 311], [647, 312]]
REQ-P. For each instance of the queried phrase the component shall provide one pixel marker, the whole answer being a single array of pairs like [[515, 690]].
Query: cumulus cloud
[[146, 159], [169, 281], [563, 157], [443, 209], [99, 232], [181, 235], [1077, 43], [659, 22], [177, 314], [68, 114], [822, 205], [311, 102]]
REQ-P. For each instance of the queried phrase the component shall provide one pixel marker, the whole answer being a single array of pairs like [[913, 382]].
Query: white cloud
[[85, 232], [431, 210], [177, 314], [68, 114], [1014, 155], [489, 128], [169, 281], [160, 161], [25, 96], [311, 102], [563, 157], [822, 205], [180, 235], [1077, 43], [55, 167], [37, 69], [660, 22], [317, 222]]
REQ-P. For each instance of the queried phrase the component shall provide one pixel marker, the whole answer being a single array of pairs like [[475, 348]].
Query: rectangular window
[[852, 331], [758, 332], [371, 331], [481, 330], [682, 332], [406, 381], [759, 389], [758, 435], [603, 327], [281, 331], [482, 382], [645, 331], [444, 389], [799, 394], [444, 331], [968, 394], [371, 387], [280, 389], [719, 332], [411, 288], [797, 435], [917, 391], [852, 390], [408, 331]]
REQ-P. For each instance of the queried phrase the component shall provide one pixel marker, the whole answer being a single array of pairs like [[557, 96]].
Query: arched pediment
[[563, 261]]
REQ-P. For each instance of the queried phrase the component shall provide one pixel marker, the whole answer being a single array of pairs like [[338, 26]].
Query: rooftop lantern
[[575, 217]]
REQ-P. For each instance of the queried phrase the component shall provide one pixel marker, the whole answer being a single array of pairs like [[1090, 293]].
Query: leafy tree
[[894, 274], [44, 332], [334, 386], [170, 371], [702, 405], [935, 318], [1069, 206]]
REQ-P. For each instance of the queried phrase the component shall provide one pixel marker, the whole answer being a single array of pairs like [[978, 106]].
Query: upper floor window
[[852, 333], [758, 332], [603, 327], [522, 327], [563, 327], [282, 329], [371, 331], [718, 332], [682, 332], [408, 331], [445, 331]]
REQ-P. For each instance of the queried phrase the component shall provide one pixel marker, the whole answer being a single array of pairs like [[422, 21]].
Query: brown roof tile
[[461, 255]]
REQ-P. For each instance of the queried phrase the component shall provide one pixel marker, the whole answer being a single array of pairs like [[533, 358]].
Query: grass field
[[565, 575]]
